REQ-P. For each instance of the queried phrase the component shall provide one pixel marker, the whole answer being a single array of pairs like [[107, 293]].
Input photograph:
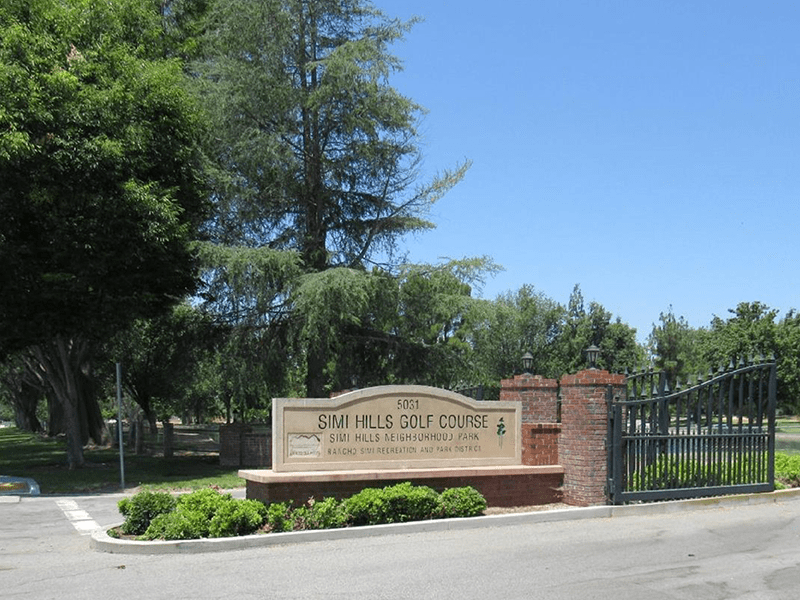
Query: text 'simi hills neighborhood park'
[[399, 299]]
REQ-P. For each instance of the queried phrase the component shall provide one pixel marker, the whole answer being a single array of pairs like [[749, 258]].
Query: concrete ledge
[[270, 476], [661, 508], [102, 542]]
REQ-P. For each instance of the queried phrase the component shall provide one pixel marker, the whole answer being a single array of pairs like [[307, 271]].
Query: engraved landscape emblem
[[305, 445]]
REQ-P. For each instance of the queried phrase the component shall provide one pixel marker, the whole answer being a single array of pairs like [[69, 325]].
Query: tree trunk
[[55, 415], [25, 401], [168, 437], [152, 424], [315, 371], [139, 439], [60, 364]]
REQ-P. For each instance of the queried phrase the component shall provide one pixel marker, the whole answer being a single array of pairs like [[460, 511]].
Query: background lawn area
[[24, 454], [787, 435]]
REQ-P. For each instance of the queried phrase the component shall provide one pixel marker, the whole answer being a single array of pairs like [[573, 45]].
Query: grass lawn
[[787, 435], [24, 454]]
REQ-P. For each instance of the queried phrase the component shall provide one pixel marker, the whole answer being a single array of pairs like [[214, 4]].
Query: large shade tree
[[318, 153], [101, 189]]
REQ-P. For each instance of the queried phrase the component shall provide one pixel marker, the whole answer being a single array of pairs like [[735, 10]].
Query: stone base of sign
[[502, 486]]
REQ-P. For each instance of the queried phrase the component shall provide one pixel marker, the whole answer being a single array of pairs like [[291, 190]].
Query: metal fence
[[480, 392], [712, 438]]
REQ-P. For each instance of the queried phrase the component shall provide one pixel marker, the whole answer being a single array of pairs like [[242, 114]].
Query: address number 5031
[[407, 404]]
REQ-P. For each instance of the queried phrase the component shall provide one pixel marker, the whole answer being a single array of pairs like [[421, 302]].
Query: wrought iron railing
[[716, 436]]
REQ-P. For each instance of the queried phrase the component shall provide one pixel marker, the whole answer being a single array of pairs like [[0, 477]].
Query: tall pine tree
[[317, 152]]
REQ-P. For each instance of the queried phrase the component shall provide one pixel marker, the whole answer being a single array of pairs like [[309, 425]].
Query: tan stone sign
[[393, 427]]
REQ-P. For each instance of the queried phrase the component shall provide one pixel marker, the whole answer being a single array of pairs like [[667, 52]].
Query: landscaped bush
[[207, 513], [327, 514], [237, 517], [142, 508], [366, 507], [279, 517], [176, 525], [668, 473], [405, 502], [787, 470], [205, 501], [395, 504], [461, 502], [201, 506]]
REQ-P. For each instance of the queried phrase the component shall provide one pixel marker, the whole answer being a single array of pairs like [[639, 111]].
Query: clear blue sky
[[647, 151]]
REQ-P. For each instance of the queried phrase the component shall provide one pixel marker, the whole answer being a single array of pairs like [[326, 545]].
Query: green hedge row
[[668, 472], [209, 513]]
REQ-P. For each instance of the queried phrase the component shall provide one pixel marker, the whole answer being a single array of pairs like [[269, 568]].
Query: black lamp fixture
[[527, 362], [592, 353]]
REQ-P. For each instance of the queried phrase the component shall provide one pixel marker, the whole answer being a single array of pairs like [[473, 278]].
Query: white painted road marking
[[80, 519]]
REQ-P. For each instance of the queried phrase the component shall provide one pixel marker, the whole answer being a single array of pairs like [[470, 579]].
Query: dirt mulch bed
[[506, 510]]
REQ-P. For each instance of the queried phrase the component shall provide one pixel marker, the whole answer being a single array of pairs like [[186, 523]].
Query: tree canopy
[[102, 181]]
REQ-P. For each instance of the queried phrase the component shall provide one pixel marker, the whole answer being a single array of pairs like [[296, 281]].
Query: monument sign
[[393, 427]]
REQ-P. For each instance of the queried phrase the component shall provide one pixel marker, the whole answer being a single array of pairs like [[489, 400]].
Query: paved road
[[750, 551]]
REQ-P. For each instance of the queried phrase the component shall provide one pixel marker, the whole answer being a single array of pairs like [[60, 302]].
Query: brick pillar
[[584, 427], [539, 397], [540, 431]]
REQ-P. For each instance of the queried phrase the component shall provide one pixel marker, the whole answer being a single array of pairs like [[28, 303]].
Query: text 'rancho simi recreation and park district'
[[394, 427]]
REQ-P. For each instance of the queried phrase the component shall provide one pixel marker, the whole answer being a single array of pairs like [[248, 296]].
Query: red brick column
[[584, 426], [540, 443], [539, 397]]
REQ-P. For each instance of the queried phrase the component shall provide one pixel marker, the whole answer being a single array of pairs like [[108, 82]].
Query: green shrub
[[327, 514], [207, 513], [279, 517], [461, 502], [200, 507], [405, 502], [139, 510], [176, 525], [365, 508], [202, 513], [204, 502], [787, 470], [393, 504], [238, 517]]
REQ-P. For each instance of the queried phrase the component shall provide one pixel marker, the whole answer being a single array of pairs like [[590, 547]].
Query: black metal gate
[[716, 437]]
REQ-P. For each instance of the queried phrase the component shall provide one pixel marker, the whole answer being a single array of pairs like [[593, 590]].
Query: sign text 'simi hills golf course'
[[394, 427]]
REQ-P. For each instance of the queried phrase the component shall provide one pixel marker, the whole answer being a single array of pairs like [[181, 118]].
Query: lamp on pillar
[[592, 353], [527, 363]]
